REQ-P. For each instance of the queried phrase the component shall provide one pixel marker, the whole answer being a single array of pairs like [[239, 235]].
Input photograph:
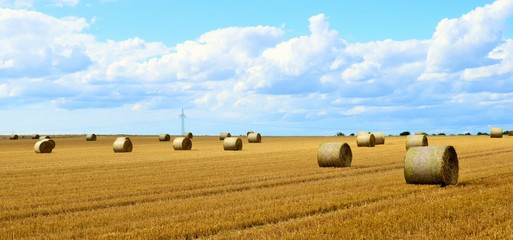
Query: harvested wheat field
[[273, 190]]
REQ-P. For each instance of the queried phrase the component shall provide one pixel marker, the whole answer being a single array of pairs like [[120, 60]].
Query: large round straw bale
[[91, 137], [35, 136], [44, 146], [431, 165], [182, 143], [416, 141], [232, 143], [254, 138], [334, 155], [247, 134], [122, 144], [188, 135], [495, 132], [366, 140], [380, 137], [224, 135], [13, 137], [164, 137], [361, 133]]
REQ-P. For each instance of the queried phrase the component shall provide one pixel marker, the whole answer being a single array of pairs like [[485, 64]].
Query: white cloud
[[16, 4], [63, 3]]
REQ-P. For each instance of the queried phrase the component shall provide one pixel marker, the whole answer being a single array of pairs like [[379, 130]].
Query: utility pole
[[182, 117]]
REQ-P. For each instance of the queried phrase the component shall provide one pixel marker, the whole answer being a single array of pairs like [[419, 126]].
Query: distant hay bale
[[224, 135], [495, 132], [254, 138], [510, 133], [44, 146], [188, 135], [35, 136], [91, 137], [334, 155], [366, 140], [431, 165], [416, 141], [14, 137], [182, 143], [122, 144], [232, 143], [164, 137], [44, 137], [380, 137]]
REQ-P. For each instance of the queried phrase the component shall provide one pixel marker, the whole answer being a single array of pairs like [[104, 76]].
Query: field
[[272, 190]]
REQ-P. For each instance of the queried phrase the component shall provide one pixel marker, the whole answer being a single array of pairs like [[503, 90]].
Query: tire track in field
[[195, 193]]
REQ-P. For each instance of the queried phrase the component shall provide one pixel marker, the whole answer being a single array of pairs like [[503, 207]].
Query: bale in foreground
[[13, 137], [182, 143], [91, 137], [416, 141], [380, 137], [366, 140], [431, 165], [224, 135], [44, 146], [188, 135], [232, 143], [495, 132], [122, 144], [254, 138], [334, 155], [164, 137]]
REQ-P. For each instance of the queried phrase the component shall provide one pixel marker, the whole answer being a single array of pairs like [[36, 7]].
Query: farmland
[[270, 190]]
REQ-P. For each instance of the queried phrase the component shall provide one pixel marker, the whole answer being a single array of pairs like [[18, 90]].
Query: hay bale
[[224, 135], [182, 143], [164, 137], [361, 133], [334, 155], [254, 138], [44, 146], [232, 143], [91, 137], [366, 140], [495, 132], [188, 135], [416, 141], [44, 137], [431, 165], [419, 133], [122, 144], [510, 133], [35, 136], [380, 137], [249, 132], [14, 137]]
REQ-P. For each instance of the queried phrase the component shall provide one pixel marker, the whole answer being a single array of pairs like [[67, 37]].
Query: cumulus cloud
[[256, 75], [63, 3]]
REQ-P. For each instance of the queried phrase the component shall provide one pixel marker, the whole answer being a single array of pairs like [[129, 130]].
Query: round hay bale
[[14, 137], [380, 137], [35, 136], [495, 132], [232, 143], [224, 135], [91, 137], [361, 133], [122, 144], [334, 155], [366, 140], [44, 146], [249, 132], [44, 137], [188, 135], [431, 165], [510, 133], [254, 138], [182, 143], [416, 141], [164, 137]]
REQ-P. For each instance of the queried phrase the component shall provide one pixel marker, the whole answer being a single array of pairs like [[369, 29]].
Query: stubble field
[[271, 190]]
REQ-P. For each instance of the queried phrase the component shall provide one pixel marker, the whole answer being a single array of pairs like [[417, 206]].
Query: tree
[[405, 133], [441, 134], [340, 134]]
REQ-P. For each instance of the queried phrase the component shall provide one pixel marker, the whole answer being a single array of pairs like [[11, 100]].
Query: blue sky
[[280, 68]]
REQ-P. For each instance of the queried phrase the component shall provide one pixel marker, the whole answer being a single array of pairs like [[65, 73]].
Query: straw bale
[[431, 165], [334, 155]]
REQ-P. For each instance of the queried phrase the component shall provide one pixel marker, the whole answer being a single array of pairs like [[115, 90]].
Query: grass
[[266, 191]]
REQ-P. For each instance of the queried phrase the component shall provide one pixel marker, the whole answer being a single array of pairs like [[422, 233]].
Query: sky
[[275, 67]]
